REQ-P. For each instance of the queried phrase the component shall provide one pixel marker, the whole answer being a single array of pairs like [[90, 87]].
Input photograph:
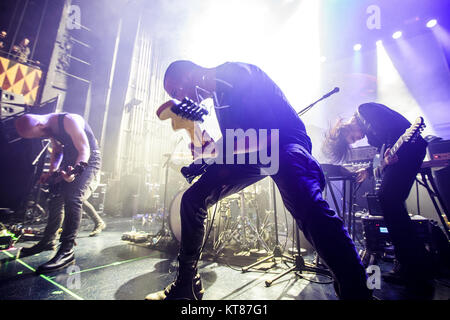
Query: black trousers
[[398, 180], [65, 207], [300, 181]]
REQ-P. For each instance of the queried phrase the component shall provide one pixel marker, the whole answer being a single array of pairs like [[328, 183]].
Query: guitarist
[[74, 147], [246, 98], [384, 126]]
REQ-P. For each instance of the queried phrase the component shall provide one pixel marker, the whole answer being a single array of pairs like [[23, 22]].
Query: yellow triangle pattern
[[28, 86]]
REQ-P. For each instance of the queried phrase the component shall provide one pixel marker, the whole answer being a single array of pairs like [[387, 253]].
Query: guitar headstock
[[415, 130], [188, 109]]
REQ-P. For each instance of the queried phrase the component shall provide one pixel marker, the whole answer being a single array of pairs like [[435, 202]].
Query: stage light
[[357, 47], [391, 86], [431, 23], [323, 59], [379, 43], [397, 35]]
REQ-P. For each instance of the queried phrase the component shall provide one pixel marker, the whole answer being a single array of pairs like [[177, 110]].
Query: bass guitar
[[410, 136]]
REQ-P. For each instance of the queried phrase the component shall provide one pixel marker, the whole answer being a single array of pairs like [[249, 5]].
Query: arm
[[75, 128]]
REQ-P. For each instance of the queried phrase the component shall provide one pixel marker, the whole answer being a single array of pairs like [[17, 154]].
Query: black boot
[[63, 258], [187, 286], [43, 245]]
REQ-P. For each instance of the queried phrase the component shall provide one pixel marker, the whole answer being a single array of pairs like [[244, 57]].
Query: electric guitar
[[53, 183], [409, 136], [187, 115]]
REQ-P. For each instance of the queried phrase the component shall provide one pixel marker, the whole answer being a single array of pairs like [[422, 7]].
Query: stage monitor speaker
[[97, 199]]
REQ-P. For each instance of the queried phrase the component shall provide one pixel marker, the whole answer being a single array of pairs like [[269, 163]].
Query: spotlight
[[323, 59], [397, 35], [379, 43], [357, 47], [431, 23]]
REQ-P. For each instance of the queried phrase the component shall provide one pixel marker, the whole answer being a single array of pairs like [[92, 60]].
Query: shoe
[[180, 290], [98, 228], [63, 258], [37, 248], [187, 285], [396, 276]]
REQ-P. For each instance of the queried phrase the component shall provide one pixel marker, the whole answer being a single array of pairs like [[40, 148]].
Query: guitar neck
[[396, 147]]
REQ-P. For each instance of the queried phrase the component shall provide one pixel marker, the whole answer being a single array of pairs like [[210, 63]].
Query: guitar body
[[410, 136], [186, 116], [378, 166], [54, 183]]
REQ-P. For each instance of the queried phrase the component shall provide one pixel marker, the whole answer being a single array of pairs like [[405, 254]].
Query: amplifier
[[376, 234], [439, 150], [97, 199], [7, 109]]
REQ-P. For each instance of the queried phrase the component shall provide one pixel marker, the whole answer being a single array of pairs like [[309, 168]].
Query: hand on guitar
[[44, 177], [68, 175], [388, 159], [362, 174]]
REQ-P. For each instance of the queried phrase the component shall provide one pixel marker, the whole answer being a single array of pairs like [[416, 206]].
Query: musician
[[384, 126], [72, 145], [245, 98]]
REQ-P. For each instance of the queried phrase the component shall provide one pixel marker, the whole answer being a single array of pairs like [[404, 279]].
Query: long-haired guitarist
[[75, 162], [383, 127], [246, 99]]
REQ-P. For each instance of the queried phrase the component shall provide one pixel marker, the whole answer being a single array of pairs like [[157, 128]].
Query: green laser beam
[[44, 277], [110, 265]]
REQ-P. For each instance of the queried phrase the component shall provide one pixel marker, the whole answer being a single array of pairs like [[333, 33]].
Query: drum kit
[[235, 222], [242, 221]]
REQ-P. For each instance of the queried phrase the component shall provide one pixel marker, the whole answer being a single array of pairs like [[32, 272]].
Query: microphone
[[335, 90]]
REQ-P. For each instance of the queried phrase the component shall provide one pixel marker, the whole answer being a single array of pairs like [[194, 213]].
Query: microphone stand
[[302, 112]]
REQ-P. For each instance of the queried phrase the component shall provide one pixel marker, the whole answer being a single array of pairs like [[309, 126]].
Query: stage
[[108, 268]]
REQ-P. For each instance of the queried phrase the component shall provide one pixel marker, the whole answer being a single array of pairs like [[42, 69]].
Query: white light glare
[[397, 35], [357, 47], [431, 23]]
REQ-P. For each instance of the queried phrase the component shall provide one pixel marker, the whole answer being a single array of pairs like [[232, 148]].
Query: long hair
[[335, 146]]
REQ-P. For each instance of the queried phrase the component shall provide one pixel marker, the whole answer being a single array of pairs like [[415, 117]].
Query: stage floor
[[108, 268]]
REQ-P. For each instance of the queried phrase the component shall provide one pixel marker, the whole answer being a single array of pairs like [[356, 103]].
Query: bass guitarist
[[246, 98], [383, 126], [74, 146]]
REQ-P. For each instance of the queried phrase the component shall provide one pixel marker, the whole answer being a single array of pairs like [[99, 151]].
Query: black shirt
[[381, 124], [247, 98]]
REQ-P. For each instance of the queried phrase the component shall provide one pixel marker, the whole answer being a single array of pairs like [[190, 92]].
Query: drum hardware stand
[[244, 221], [163, 232], [277, 251]]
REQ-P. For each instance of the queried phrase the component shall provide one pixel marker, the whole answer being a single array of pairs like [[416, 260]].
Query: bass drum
[[174, 216]]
